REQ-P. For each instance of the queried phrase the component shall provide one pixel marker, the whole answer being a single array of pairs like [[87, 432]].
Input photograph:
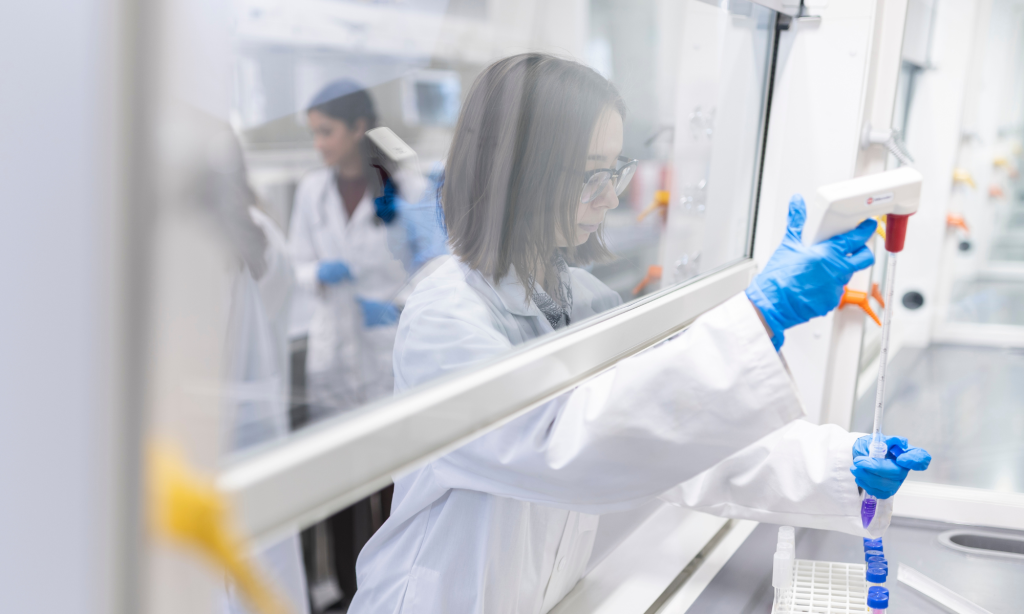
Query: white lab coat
[[256, 392], [506, 523], [347, 364]]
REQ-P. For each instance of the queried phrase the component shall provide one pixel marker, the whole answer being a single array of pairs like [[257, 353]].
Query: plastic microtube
[[877, 574], [870, 553], [878, 599]]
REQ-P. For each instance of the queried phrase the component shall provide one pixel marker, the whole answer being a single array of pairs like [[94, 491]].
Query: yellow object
[[1001, 161], [963, 175], [187, 508], [661, 198], [881, 226]]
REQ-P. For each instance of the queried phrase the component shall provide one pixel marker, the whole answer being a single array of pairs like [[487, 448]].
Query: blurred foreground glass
[[332, 237]]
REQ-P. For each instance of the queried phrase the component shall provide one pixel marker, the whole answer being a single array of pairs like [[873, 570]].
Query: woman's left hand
[[882, 477]]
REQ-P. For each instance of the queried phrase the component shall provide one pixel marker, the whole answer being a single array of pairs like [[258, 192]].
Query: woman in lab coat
[[345, 267], [255, 408], [708, 419]]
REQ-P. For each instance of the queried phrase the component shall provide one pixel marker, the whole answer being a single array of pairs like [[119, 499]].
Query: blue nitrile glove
[[419, 235], [333, 271], [882, 477], [376, 313], [801, 282], [388, 204]]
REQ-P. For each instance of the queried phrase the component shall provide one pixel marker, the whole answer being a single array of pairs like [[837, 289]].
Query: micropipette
[[895, 234], [840, 207]]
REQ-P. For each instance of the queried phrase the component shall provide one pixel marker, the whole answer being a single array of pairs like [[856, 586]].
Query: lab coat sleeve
[[798, 475], [654, 421], [300, 240]]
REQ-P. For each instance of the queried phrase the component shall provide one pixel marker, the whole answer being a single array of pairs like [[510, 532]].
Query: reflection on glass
[[673, 201]]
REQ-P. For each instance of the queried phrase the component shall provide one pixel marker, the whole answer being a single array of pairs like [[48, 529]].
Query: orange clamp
[[957, 221], [653, 274], [661, 198], [877, 294], [860, 299]]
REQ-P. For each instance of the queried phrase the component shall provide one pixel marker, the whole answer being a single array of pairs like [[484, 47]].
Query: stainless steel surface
[[332, 465], [962, 404], [744, 585], [984, 543], [935, 591]]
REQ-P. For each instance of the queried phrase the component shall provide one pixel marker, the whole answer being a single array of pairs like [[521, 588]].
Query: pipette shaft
[[878, 449]]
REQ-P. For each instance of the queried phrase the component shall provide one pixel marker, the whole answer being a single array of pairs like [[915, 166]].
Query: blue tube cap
[[878, 597], [877, 573], [877, 560], [873, 544], [870, 553]]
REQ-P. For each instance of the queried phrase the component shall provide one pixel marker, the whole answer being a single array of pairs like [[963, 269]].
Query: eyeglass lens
[[595, 185]]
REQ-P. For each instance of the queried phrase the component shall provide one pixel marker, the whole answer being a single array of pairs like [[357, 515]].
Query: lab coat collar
[[512, 296]]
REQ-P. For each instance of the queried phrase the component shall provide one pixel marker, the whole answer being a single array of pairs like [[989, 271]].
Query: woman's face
[[337, 143], [605, 148]]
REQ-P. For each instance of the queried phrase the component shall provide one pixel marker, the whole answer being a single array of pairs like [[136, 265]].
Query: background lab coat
[[257, 394], [347, 364], [506, 524]]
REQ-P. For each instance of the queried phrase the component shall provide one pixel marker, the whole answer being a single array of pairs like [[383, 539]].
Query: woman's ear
[[359, 128]]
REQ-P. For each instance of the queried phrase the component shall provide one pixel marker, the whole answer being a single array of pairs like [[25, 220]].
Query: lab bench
[[744, 584]]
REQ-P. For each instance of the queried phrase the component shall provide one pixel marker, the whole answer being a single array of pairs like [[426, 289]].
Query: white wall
[[934, 137], [59, 427]]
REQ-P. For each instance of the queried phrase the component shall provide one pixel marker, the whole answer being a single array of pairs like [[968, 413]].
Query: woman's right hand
[[333, 271], [801, 282]]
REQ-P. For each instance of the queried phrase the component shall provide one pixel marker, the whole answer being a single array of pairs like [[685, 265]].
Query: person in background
[[255, 387], [359, 249], [344, 263]]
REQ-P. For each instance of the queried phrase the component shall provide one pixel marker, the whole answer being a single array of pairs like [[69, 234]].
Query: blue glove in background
[[333, 271], [376, 313], [801, 282], [388, 204], [882, 477], [419, 235]]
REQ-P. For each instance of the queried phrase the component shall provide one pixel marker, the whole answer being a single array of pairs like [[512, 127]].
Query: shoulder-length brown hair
[[515, 170]]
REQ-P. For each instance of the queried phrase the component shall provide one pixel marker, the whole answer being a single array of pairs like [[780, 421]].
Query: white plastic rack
[[823, 587]]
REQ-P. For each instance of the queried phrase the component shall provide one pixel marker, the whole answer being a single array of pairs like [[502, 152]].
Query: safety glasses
[[594, 181]]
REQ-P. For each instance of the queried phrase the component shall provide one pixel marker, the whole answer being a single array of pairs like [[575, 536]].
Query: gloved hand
[[801, 282], [376, 313], [389, 204], [882, 477], [333, 271], [419, 236]]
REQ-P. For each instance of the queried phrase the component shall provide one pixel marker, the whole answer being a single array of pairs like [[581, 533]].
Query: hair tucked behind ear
[[514, 174]]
